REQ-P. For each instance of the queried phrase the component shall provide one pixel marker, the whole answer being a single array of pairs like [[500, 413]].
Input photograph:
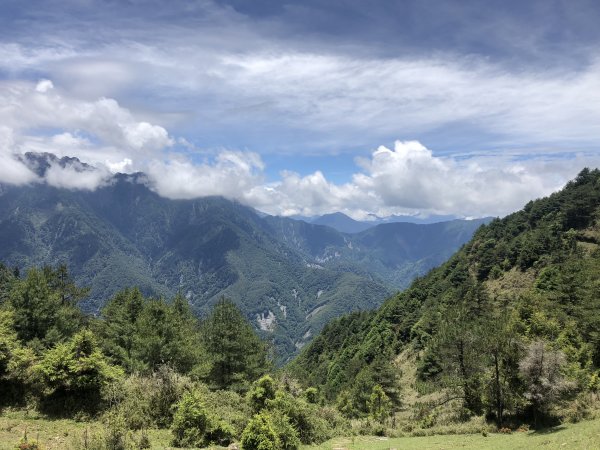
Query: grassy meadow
[[70, 435]]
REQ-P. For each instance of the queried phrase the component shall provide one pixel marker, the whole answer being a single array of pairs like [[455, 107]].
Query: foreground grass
[[68, 435], [583, 435], [60, 434]]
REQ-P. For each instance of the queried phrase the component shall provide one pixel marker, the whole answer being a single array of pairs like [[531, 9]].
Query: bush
[[262, 390], [194, 426], [286, 433], [230, 407], [190, 422], [260, 434], [311, 395], [148, 401], [220, 433], [304, 417], [72, 375]]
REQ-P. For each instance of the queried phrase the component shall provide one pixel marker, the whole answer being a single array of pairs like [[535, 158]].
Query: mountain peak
[[40, 163], [342, 223]]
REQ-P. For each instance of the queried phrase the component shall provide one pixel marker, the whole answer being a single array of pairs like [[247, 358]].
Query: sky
[[413, 107]]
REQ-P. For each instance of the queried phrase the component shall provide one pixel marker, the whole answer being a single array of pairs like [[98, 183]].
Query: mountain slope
[[124, 234], [533, 276], [289, 277], [395, 252]]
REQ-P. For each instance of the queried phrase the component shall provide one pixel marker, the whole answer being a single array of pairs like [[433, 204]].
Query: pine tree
[[237, 356]]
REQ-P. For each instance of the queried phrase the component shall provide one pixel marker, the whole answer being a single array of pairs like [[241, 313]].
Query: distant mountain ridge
[[289, 277], [346, 224]]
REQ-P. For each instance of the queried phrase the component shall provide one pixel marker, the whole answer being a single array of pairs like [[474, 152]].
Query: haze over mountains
[[345, 224], [288, 276]]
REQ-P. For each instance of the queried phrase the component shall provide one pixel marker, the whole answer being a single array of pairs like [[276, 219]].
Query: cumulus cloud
[[99, 132], [410, 180], [406, 179], [232, 174], [27, 107]]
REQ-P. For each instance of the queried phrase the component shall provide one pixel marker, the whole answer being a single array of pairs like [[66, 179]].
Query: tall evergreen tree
[[45, 308], [236, 354]]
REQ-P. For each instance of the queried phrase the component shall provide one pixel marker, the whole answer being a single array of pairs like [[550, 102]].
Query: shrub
[[148, 401], [190, 422], [73, 374], [220, 433], [311, 395], [304, 417], [262, 390], [260, 434], [286, 433], [194, 426], [230, 407]]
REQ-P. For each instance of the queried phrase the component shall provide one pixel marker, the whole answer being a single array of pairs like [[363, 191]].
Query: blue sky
[[417, 107]]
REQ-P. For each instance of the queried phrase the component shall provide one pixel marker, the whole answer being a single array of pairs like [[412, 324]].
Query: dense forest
[[506, 334], [508, 328]]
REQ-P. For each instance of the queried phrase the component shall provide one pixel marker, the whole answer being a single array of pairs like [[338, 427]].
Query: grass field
[[68, 435], [59, 434], [583, 435]]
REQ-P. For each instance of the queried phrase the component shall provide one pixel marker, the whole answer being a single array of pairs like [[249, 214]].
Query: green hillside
[[524, 288]]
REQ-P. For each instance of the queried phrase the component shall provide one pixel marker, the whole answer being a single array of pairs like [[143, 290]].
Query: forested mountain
[[507, 326], [287, 276], [395, 252]]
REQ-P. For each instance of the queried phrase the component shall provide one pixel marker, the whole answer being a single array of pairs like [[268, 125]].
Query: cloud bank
[[406, 179]]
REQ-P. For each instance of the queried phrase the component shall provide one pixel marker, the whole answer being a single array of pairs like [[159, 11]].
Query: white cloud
[[406, 179], [12, 171], [44, 86], [98, 132], [323, 95], [26, 107], [124, 166], [72, 177], [409, 179], [232, 175]]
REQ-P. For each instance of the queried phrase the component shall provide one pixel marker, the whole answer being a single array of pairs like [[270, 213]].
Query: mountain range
[[288, 276]]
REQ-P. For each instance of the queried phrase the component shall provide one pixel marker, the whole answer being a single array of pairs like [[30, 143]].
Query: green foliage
[[45, 306], [76, 366], [311, 395], [236, 355], [379, 405], [73, 374], [529, 276], [287, 435], [143, 334], [194, 426], [262, 390], [147, 401], [8, 340], [304, 417], [260, 434], [190, 422]]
